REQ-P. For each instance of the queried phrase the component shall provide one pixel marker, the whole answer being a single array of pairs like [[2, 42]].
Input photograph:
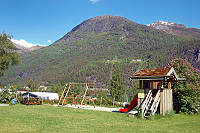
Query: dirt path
[[4, 104], [92, 108]]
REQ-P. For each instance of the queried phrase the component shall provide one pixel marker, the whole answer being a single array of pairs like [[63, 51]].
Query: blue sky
[[45, 21]]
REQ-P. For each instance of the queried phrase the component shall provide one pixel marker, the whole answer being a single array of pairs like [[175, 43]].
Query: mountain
[[24, 47], [176, 29], [93, 49]]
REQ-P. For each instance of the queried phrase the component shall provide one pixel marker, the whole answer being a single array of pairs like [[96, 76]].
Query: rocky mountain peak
[[176, 29], [24, 47], [162, 25]]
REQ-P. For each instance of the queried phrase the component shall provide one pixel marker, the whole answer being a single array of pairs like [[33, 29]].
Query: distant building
[[22, 91], [42, 95], [26, 87], [45, 87], [136, 60]]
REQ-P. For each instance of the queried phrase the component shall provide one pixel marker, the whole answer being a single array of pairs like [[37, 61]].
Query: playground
[[71, 114], [153, 96]]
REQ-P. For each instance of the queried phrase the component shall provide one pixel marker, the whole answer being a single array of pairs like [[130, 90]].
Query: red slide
[[133, 103]]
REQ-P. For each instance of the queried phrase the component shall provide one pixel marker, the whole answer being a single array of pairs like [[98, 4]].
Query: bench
[[32, 101]]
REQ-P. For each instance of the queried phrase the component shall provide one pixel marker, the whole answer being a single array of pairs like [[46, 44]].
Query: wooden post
[[161, 101], [114, 102], [71, 94], [91, 95], [64, 100], [62, 97], [28, 97], [169, 84], [84, 95], [161, 84], [100, 101], [171, 94], [151, 84], [140, 85]]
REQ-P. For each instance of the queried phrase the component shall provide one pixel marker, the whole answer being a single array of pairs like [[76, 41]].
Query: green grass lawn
[[41, 118]]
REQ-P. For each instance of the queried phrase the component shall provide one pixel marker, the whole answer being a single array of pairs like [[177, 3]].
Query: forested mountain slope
[[91, 50]]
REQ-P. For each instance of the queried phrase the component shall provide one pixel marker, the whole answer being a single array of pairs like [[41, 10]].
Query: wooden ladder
[[155, 104], [146, 103], [150, 105]]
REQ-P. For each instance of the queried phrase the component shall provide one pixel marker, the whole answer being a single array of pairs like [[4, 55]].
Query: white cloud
[[94, 1], [49, 41], [24, 43]]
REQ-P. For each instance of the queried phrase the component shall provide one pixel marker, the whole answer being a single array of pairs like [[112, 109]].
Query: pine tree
[[8, 55], [117, 87]]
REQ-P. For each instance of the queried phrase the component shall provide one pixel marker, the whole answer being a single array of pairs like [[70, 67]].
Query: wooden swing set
[[68, 89]]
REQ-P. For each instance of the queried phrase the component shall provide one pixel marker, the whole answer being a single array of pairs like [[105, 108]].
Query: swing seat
[[74, 102]]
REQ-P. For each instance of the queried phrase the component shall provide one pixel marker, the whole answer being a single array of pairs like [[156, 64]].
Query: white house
[[42, 95], [136, 59]]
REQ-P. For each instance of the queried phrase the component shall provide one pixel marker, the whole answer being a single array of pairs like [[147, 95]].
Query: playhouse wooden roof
[[152, 72], [155, 74]]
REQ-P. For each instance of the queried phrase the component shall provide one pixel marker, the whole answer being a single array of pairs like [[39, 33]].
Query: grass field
[[20, 118]]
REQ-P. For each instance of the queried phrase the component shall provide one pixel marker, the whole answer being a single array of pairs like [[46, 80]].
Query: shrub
[[6, 95], [186, 94], [186, 98], [50, 101], [97, 101]]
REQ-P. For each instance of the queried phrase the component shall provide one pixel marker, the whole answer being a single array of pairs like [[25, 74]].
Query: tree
[[8, 55], [58, 89], [186, 96], [117, 87], [33, 86], [102, 94]]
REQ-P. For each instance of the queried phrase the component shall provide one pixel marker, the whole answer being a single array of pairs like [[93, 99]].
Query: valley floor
[[41, 118]]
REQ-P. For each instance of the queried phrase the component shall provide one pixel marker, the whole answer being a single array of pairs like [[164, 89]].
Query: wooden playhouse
[[155, 92]]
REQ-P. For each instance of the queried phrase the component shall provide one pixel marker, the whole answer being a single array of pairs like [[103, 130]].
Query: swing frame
[[68, 89]]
